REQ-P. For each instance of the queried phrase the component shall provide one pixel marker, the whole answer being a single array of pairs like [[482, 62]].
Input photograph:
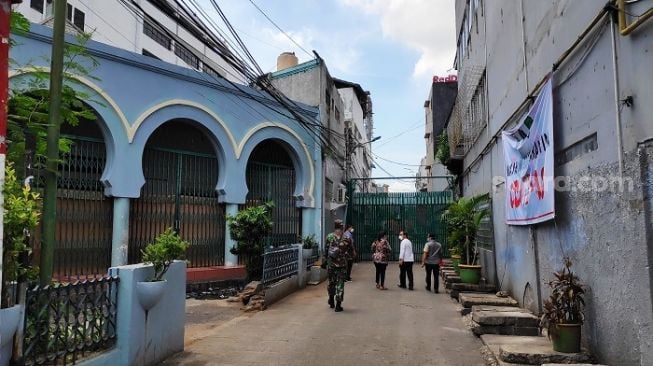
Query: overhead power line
[[279, 28]]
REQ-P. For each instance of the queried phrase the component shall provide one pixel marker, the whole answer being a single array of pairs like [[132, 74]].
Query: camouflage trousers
[[337, 277]]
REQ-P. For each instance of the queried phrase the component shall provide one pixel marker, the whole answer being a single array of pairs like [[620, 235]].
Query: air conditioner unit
[[342, 194]]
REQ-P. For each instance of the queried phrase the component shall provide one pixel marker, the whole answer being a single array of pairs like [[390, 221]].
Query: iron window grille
[[158, 36], [187, 56]]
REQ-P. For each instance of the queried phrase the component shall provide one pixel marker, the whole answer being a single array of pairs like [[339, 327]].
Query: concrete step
[[469, 287], [504, 320], [518, 350], [451, 280], [469, 299], [503, 315], [446, 272], [572, 364], [446, 268]]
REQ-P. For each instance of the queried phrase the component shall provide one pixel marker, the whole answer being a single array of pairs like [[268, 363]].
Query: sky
[[390, 47]]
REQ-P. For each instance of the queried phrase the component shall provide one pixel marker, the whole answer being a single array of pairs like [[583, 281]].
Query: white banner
[[528, 153]]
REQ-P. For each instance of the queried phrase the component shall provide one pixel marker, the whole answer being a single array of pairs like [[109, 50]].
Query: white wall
[[111, 23]]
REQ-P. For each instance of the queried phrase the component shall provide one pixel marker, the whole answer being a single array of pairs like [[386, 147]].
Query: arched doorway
[[83, 230], [181, 173], [272, 177]]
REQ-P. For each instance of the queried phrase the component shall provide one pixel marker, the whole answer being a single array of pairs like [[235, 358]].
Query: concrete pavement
[[394, 327]]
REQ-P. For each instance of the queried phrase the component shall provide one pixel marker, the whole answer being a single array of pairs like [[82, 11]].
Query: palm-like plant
[[463, 218]]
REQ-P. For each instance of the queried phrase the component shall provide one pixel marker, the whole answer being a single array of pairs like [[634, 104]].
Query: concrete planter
[[470, 273], [9, 321], [307, 253], [566, 338], [150, 293]]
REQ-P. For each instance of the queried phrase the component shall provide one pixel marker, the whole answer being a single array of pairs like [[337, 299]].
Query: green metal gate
[[179, 192], [84, 214], [419, 213], [270, 182]]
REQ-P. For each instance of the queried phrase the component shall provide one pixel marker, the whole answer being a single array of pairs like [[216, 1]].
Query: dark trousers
[[406, 269], [350, 263], [435, 268], [380, 273]]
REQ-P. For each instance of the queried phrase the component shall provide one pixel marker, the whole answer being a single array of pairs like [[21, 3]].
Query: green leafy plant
[[309, 242], [29, 100], [463, 218], [565, 304], [442, 145], [167, 247], [22, 209], [249, 228]]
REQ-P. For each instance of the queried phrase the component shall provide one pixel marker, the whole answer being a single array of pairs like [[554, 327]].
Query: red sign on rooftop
[[445, 79]]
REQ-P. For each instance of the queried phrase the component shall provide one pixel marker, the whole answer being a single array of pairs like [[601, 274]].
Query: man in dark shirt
[[431, 260]]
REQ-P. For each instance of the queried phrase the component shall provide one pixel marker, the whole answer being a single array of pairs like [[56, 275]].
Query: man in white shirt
[[406, 259]]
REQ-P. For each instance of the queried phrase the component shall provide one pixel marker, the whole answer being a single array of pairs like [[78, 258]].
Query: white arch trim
[[134, 128], [96, 88], [311, 167]]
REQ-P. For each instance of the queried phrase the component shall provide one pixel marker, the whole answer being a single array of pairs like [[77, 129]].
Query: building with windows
[[154, 28], [598, 58], [346, 122], [437, 109]]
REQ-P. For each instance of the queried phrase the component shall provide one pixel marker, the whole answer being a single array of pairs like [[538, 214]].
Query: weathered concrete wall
[[606, 233]]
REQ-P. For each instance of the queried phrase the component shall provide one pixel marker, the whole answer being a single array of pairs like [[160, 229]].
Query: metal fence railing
[[279, 264], [66, 323], [315, 255]]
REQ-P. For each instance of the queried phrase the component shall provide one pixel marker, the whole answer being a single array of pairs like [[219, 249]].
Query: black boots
[[338, 307], [331, 302]]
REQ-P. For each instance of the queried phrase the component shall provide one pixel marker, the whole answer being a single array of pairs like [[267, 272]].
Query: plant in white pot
[[308, 245], [167, 247]]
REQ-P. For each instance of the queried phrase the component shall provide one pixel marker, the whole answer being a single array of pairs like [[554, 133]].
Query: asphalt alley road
[[394, 327]]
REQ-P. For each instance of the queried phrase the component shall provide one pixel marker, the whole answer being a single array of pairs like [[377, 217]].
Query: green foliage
[[309, 242], [29, 100], [463, 218], [249, 228], [167, 247], [21, 217], [565, 304], [442, 146]]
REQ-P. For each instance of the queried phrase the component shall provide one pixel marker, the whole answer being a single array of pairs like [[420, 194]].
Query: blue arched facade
[[134, 95]]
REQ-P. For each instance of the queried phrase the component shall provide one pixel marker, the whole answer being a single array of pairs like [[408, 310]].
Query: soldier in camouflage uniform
[[337, 249]]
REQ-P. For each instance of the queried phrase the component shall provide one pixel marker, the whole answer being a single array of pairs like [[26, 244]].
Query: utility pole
[[54, 124]]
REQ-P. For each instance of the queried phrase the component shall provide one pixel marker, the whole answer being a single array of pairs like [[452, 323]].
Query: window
[[158, 36], [36, 5], [149, 54], [75, 16], [209, 70], [186, 55]]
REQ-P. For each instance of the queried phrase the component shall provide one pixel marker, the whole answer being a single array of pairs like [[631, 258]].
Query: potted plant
[[454, 252], [563, 311], [21, 217], [308, 243], [249, 228], [463, 218], [167, 247]]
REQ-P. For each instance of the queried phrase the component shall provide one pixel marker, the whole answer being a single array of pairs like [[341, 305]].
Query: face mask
[[352, 230], [401, 237]]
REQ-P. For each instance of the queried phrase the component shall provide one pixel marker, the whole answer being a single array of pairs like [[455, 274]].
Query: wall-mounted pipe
[[625, 28], [615, 72]]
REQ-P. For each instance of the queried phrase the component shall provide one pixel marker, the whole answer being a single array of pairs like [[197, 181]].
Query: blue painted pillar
[[230, 259], [120, 237]]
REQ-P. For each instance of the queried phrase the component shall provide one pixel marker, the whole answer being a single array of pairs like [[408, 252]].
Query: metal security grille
[[179, 192], [485, 233], [417, 212], [269, 182], [67, 323], [279, 264], [84, 213]]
